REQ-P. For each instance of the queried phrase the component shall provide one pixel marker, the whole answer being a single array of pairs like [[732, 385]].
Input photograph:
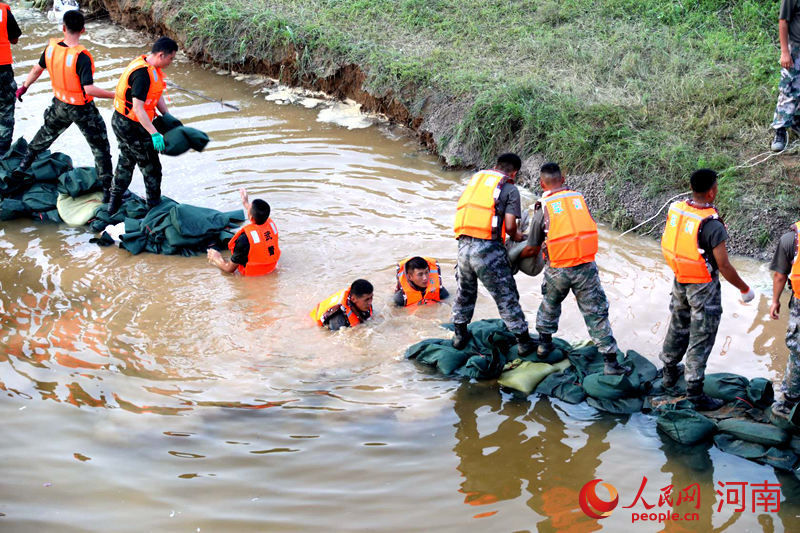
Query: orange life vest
[[475, 214], [333, 303], [157, 86], [62, 64], [794, 275], [264, 251], [571, 231], [5, 44], [412, 295], [680, 245]]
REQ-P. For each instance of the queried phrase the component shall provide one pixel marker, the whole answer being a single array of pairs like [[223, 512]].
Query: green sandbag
[[47, 168], [754, 431], [685, 426], [164, 123], [781, 459], [79, 181], [605, 387], [180, 140], [483, 366], [794, 444], [725, 386], [78, 211], [748, 450], [531, 266], [623, 406], [760, 392], [563, 385], [526, 376], [438, 353]]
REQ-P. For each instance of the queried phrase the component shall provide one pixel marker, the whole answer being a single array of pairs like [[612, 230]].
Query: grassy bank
[[639, 91]]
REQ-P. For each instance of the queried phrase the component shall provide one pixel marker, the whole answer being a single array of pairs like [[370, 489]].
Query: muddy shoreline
[[431, 115]]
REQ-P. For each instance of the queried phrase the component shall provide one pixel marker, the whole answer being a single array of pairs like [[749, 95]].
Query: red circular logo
[[592, 505]]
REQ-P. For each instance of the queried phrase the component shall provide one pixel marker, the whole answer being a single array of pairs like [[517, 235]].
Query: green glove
[[158, 141]]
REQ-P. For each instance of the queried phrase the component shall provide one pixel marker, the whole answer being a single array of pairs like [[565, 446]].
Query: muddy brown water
[[152, 393]]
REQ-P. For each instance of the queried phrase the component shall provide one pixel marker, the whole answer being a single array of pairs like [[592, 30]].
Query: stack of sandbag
[[34, 193], [80, 195], [179, 139]]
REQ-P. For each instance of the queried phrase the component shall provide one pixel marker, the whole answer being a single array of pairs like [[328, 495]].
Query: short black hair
[[416, 263], [509, 162], [74, 21], [703, 180], [550, 169], [360, 287], [164, 44], [259, 210]]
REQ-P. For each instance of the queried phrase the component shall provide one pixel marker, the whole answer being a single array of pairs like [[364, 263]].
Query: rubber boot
[[114, 202], [153, 201], [783, 408], [525, 344], [545, 345], [670, 376], [613, 368], [27, 160], [462, 336], [701, 400]]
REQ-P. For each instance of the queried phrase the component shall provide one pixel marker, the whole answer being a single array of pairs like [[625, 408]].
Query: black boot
[[613, 368], [153, 201], [462, 336], [701, 400], [669, 376], [525, 344], [27, 160], [783, 408], [114, 202], [545, 345]]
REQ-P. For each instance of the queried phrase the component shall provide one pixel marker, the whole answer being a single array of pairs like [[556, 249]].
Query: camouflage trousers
[[584, 282], [788, 91], [696, 312], [487, 261], [7, 100], [135, 148], [790, 387], [60, 116]]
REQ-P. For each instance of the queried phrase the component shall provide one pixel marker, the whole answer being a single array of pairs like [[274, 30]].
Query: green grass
[[642, 91]]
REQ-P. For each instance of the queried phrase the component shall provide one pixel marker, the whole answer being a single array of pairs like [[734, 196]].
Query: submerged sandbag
[[725, 386], [78, 211], [563, 385], [622, 406], [685, 425], [526, 376], [608, 387], [781, 459], [438, 353], [730, 444], [757, 432]]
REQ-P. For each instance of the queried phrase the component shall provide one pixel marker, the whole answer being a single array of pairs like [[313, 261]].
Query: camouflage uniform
[[8, 88], [696, 312], [135, 148], [486, 260], [60, 116], [584, 281], [788, 91], [790, 387]]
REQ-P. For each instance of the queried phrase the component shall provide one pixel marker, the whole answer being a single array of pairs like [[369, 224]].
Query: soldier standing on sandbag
[[785, 266], [488, 210], [789, 86], [693, 244], [139, 93], [9, 34], [71, 70], [563, 225]]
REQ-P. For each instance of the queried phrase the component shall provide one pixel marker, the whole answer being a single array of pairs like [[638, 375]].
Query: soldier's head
[[704, 185], [74, 22], [509, 164], [259, 211], [550, 177], [417, 271], [361, 295], [163, 52]]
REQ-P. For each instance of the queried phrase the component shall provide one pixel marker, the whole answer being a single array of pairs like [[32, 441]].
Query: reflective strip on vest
[[679, 242], [794, 275], [5, 44], [571, 232], [432, 291], [475, 213], [264, 252], [62, 65], [157, 86]]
